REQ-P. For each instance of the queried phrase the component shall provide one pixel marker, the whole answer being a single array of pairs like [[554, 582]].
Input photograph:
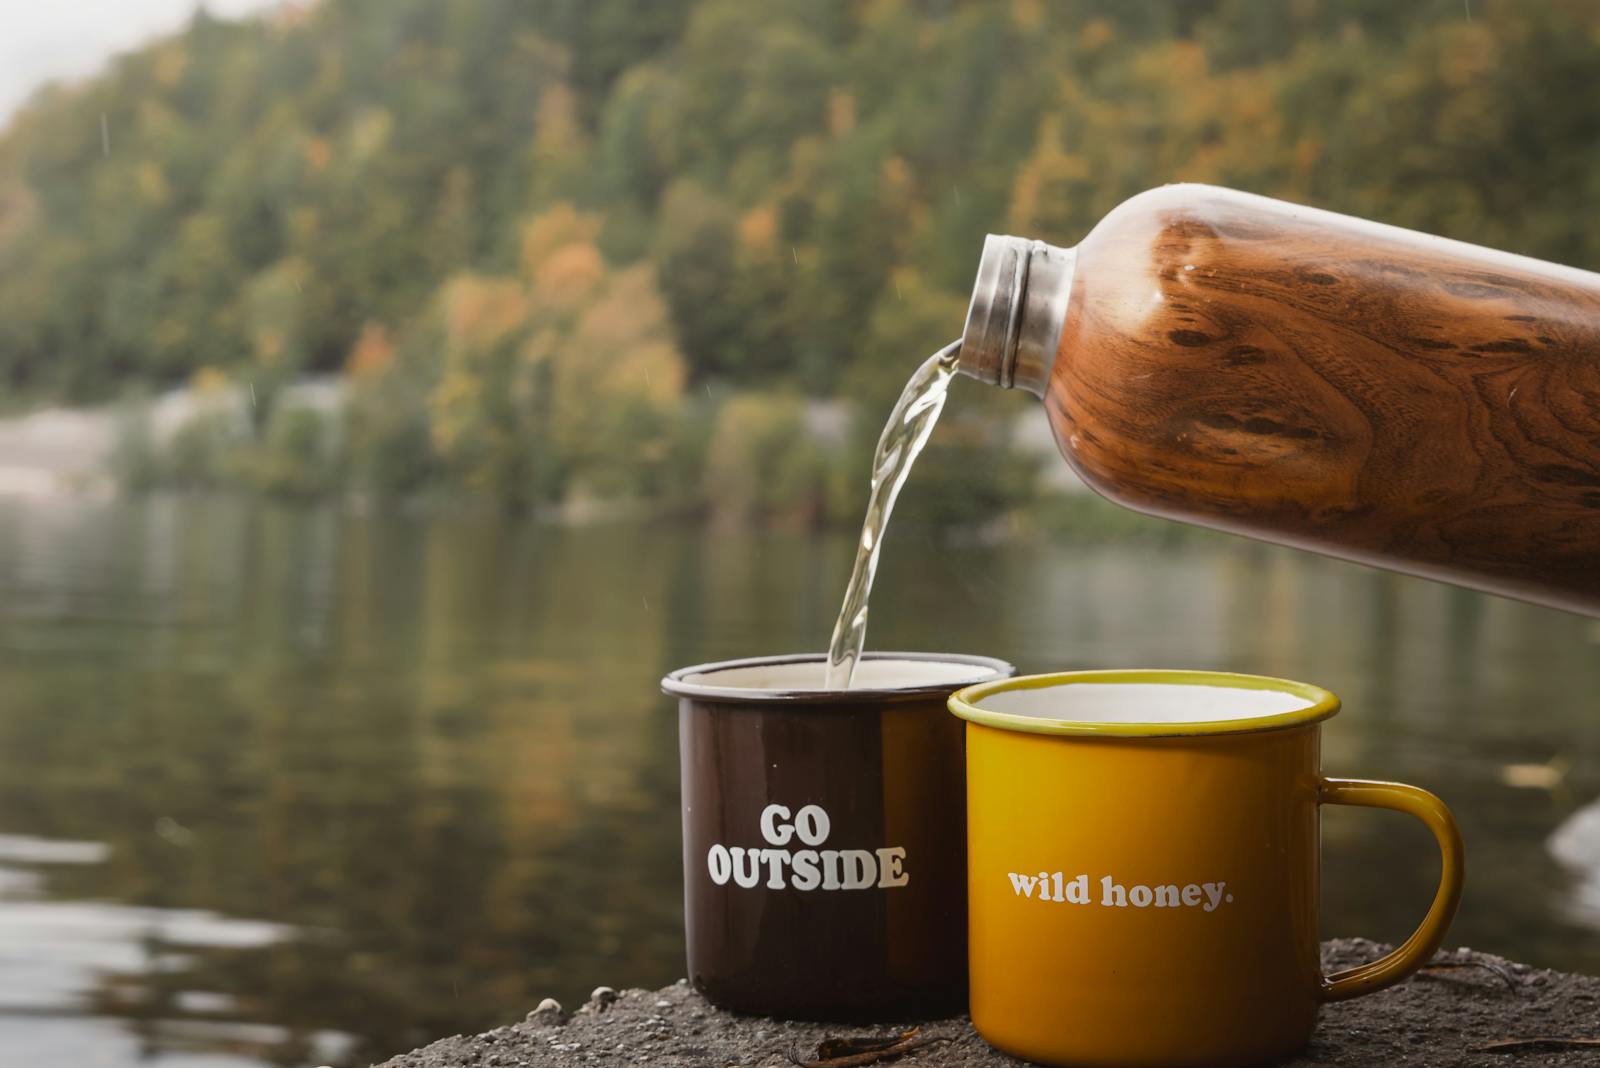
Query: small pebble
[[663, 1004]]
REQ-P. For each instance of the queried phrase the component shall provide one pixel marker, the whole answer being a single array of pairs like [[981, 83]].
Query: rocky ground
[[1452, 1014]]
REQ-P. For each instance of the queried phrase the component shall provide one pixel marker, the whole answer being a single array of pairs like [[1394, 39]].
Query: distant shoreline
[[61, 450]]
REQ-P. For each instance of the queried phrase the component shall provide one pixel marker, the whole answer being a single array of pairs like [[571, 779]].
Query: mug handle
[[1424, 942]]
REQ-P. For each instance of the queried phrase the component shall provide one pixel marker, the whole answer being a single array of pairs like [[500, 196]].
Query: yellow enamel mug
[[1142, 866]]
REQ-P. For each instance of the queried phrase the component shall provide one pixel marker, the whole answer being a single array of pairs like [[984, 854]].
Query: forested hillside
[[569, 247]]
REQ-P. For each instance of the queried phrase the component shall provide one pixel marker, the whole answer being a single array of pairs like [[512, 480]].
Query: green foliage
[[297, 455], [391, 452], [205, 451], [695, 247], [295, 458], [567, 220], [761, 463]]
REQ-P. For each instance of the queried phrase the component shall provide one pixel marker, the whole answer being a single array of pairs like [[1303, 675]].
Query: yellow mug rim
[[964, 703]]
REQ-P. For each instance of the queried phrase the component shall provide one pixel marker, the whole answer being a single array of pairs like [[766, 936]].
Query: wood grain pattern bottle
[[1316, 380]]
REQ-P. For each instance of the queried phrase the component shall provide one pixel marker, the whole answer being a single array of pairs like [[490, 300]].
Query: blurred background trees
[[597, 250]]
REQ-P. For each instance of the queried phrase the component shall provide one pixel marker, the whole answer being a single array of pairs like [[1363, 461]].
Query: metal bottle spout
[[1019, 305]]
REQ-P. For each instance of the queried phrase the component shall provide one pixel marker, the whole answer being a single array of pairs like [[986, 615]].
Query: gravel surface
[[1437, 1018]]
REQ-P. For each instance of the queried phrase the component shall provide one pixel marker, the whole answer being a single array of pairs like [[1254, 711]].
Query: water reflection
[[70, 967], [284, 787]]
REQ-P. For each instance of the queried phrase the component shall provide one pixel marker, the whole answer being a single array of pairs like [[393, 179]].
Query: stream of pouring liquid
[[903, 438]]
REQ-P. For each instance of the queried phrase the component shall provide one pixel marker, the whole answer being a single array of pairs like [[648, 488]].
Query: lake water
[[285, 787]]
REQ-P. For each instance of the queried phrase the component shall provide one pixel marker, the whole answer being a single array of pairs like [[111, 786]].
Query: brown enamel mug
[[824, 835]]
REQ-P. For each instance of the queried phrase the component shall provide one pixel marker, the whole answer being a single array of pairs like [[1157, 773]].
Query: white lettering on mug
[[830, 869], [892, 867], [720, 864], [769, 825], [883, 868], [746, 878], [776, 859], [860, 868], [812, 825], [1055, 887], [807, 876]]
